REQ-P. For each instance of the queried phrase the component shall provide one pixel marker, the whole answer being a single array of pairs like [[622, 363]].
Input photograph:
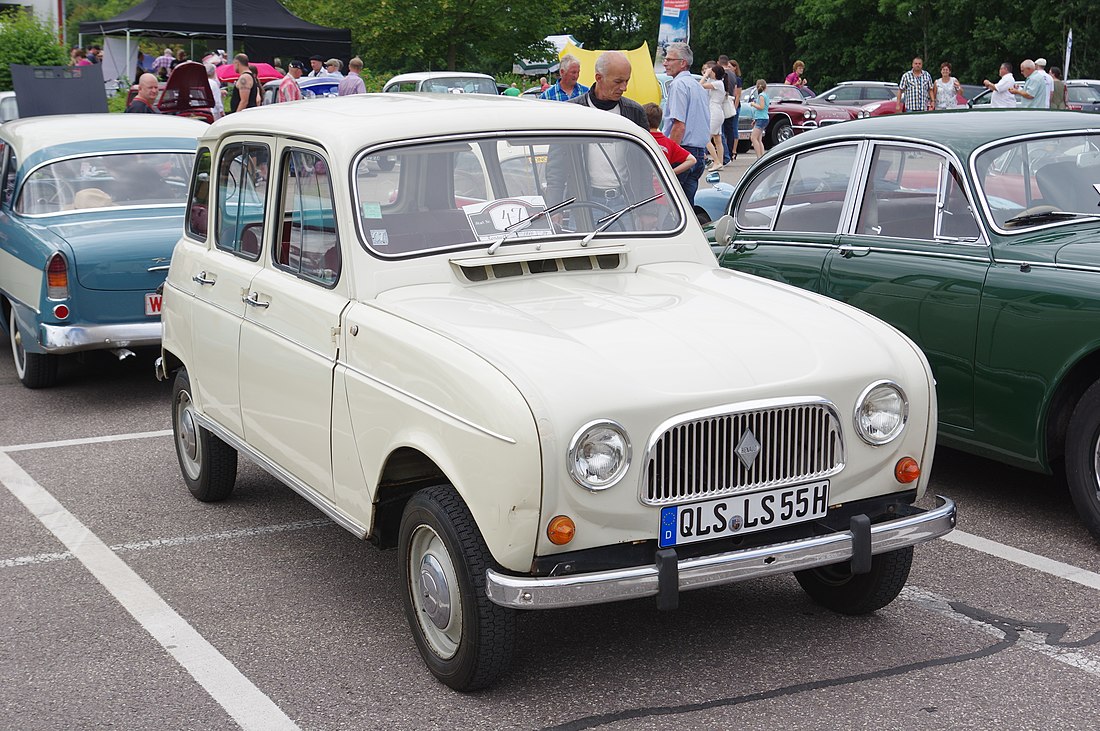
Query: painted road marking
[[242, 700], [169, 542], [87, 440], [1029, 640], [1025, 558]]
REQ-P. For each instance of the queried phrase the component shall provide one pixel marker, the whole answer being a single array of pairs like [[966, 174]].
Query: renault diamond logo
[[747, 449]]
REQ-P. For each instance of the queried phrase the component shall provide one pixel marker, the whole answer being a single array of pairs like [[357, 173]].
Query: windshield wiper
[[521, 224], [1047, 216], [608, 220]]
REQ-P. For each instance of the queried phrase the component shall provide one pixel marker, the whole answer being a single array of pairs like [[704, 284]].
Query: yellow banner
[[643, 86]]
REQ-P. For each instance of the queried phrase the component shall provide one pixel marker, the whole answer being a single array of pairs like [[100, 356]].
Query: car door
[[915, 257], [220, 275], [288, 343], [789, 216]]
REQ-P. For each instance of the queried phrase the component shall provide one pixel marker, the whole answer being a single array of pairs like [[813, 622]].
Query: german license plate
[[739, 514], [152, 303]]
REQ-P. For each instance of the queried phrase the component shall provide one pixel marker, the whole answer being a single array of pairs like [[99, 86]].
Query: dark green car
[[977, 234]]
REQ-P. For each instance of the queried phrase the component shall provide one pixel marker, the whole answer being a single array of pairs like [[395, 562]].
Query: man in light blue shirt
[[687, 122], [1032, 94]]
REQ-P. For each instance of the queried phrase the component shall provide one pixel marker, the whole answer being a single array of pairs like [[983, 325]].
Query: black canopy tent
[[266, 28]]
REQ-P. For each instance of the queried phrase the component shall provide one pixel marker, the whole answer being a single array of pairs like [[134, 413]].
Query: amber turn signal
[[906, 470], [561, 530]]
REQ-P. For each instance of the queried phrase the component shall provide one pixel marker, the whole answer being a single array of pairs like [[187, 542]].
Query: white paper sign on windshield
[[490, 219]]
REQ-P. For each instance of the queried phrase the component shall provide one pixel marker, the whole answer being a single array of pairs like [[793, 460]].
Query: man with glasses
[[687, 122]]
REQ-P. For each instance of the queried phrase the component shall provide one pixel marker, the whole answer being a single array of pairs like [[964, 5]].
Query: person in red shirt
[[680, 159]]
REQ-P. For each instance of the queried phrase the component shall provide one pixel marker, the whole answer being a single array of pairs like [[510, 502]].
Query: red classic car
[[792, 110], [187, 93]]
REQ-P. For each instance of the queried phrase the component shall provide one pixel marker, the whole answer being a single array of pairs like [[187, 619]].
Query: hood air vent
[[481, 270]]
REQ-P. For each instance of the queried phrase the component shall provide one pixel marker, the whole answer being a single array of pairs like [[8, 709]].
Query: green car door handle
[[849, 251]]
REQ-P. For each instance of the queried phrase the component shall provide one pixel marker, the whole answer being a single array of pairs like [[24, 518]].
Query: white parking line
[[1046, 565], [179, 541], [87, 440], [242, 700], [1030, 640]]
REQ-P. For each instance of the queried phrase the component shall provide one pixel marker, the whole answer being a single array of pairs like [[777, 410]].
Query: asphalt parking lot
[[125, 603]]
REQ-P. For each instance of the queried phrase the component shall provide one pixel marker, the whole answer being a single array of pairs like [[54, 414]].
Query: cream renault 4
[[514, 358]]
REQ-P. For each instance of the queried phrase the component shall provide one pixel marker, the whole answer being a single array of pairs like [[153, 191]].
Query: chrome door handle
[[254, 301], [849, 251], [200, 278]]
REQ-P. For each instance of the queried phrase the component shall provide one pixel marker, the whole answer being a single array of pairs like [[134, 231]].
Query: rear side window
[[198, 208], [758, 204], [815, 194], [242, 198], [308, 244]]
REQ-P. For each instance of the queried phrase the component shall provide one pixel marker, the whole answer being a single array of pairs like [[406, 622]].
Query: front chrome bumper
[[551, 592], [71, 338]]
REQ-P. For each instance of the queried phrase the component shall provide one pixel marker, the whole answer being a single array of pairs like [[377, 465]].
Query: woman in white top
[[945, 89], [714, 81]]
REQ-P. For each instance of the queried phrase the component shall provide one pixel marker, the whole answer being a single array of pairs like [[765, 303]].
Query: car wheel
[[781, 131], [465, 639], [35, 370], [1083, 458], [837, 588], [208, 464], [385, 164]]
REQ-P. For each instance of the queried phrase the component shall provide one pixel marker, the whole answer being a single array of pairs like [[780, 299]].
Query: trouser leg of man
[[729, 137], [689, 181]]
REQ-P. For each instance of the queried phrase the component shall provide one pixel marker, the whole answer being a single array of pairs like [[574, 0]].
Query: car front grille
[[710, 455]]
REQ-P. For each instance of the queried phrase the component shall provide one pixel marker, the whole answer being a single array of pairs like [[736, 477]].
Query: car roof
[[34, 134], [422, 75], [867, 83], [1083, 82], [961, 131], [347, 124]]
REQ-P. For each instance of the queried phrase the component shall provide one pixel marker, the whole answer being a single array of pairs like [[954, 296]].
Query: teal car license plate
[[739, 514]]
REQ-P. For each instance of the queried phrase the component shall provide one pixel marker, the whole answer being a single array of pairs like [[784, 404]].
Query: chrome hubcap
[[435, 592], [1096, 464], [187, 437]]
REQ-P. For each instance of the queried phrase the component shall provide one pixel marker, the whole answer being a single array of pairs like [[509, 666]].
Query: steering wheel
[[582, 204], [57, 192]]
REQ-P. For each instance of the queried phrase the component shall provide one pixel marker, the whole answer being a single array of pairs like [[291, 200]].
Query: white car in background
[[443, 82]]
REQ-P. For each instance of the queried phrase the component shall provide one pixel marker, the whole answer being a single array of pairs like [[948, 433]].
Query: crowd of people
[[918, 92]]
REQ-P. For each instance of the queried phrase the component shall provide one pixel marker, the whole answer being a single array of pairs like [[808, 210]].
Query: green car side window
[[814, 198], [758, 204]]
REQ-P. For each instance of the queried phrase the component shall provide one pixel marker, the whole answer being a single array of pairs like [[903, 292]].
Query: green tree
[[28, 41]]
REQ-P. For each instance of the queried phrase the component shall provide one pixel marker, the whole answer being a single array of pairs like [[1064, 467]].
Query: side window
[[198, 209], [845, 94], [242, 198], [956, 219], [308, 244], [7, 188], [758, 204], [901, 194], [815, 194]]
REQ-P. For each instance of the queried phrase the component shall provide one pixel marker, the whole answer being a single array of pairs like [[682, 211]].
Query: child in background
[[680, 159]]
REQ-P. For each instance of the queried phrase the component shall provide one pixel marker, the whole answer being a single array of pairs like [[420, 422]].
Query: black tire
[[440, 546], [35, 370], [208, 465], [781, 131], [385, 164], [1083, 458], [702, 217], [834, 587]]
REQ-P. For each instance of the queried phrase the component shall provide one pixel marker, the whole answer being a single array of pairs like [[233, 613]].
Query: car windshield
[[469, 193], [107, 181], [776, 93], [1083, 94], [1048, 175], [464, 84]]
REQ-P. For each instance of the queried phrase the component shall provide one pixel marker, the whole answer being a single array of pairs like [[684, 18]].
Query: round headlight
[[599, 455], [881, 412]]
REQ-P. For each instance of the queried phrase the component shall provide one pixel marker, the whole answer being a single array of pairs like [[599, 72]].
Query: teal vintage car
[[90, 208], [977, 234]]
